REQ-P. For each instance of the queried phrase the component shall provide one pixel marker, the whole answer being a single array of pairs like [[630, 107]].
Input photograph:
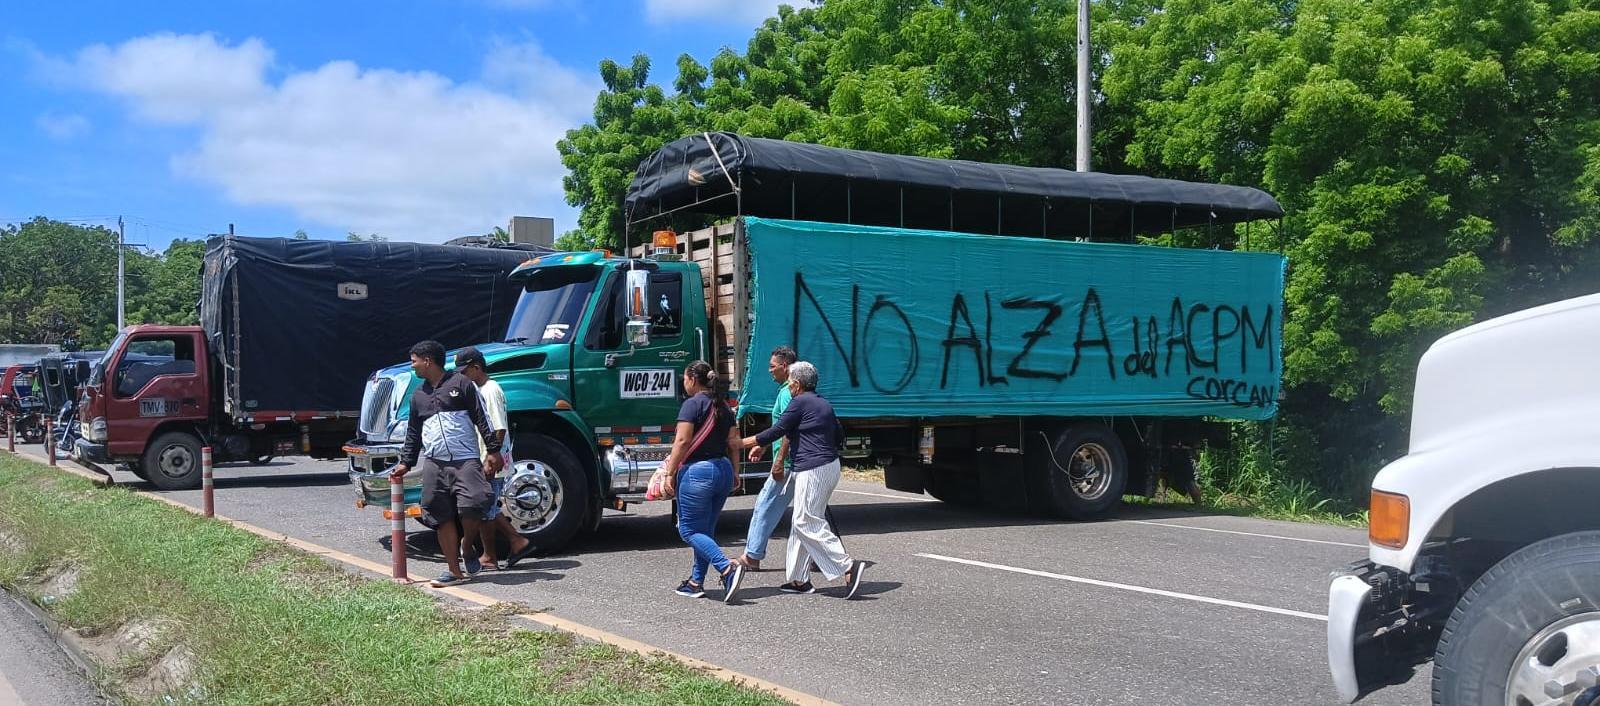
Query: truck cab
[[1484, 552], [151, 382], [590, 365]]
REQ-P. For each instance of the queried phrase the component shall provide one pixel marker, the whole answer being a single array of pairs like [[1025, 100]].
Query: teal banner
[[911, 323]]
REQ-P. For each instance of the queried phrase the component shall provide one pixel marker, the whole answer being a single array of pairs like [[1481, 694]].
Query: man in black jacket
[[446, 422]]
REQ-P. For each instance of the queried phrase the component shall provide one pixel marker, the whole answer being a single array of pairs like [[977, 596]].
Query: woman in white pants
[[814, 435]]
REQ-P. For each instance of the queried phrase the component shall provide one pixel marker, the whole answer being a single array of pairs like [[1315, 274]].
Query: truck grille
[[375, 408]]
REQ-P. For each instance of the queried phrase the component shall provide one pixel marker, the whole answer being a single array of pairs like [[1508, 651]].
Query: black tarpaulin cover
[[793, 180], [315, 318]]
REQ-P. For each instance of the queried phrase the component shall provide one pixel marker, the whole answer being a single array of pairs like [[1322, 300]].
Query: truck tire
[[547, 494], [1529, 626], [172, 461], [137, 469], [1080, 473]]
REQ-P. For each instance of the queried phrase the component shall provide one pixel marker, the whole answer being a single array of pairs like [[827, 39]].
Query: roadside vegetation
[[177, 608]]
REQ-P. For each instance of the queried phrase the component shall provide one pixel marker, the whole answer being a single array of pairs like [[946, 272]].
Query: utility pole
[[1083, 85], [121, 278]]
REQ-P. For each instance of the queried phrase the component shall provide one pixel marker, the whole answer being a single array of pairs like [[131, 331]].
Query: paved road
[[960, 607], [33, 671]]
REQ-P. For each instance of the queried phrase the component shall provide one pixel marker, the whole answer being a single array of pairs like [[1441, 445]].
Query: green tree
[[1437, 159], [57, 283], [980, 79], [46, 297]]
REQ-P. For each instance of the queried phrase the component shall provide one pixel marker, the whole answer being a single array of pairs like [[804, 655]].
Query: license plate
[[156, 407], [649, 384]]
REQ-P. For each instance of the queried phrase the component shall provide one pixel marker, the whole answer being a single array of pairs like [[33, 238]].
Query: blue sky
[[418, 120]]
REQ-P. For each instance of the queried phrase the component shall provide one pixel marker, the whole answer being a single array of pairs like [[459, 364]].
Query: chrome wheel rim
[[1557, 664], [1088, 471], [533, 496]]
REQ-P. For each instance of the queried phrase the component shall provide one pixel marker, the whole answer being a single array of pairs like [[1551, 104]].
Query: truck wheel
[[546, 496], [1081, 473], [172, 461], [955, 487], [137, 469], [1528, 631]]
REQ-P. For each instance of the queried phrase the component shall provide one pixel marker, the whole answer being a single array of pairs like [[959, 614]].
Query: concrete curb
[[66, 640], [536, 620]]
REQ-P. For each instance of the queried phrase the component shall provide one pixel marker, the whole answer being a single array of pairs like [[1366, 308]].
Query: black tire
[[172, 461], [137, 469], [555, 518], [1080, 474], [955, 487], [1518, 606]]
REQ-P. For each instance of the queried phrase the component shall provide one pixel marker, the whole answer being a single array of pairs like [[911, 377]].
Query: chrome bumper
[[369, 466]]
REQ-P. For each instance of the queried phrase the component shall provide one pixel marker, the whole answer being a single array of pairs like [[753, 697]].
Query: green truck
[[987, 333]]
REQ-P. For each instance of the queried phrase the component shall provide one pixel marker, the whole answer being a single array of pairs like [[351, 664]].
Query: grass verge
[[263, 623]]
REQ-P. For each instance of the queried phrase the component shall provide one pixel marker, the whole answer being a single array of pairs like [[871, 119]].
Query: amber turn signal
[[1389, 521]]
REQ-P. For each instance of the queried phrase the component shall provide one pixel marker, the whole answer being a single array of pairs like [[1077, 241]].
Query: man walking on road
[[447, 419], [777, 493], [470, 362]]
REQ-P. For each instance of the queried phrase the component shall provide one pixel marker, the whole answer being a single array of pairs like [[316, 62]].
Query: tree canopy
[[58, 284]]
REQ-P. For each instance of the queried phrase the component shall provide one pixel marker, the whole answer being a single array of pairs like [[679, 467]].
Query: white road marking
[[1127, 587], [1247, 534], [886, 495]]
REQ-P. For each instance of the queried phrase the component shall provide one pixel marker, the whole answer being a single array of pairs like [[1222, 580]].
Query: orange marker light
[[1389, 520], [665, 239]]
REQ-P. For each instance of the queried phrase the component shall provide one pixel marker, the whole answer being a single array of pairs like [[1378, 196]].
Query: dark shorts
[[451, 488]]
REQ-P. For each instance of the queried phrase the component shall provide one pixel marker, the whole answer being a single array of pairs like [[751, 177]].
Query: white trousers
[[809, 537]]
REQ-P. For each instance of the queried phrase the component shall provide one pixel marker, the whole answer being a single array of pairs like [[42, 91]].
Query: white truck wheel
[[1528, 631]]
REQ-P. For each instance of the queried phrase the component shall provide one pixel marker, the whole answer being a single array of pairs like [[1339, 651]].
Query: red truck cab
[[152, 383], [151, 380]]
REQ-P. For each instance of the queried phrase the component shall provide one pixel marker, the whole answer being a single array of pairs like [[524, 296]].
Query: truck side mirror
[[638, 327]]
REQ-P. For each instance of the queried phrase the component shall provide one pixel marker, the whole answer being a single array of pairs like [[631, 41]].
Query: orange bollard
[[11, 433], [49, 441], [397, 530], [206, 481]]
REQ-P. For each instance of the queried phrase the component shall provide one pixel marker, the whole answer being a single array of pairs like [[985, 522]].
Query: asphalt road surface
[[33, 671], [959, 607]]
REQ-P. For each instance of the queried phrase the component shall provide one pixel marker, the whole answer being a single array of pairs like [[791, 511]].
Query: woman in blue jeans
[[700, 474]]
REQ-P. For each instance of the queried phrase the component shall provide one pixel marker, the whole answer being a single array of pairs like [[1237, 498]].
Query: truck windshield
[[552, 304]]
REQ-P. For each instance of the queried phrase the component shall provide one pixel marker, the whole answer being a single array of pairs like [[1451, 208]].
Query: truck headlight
[[94, 430]]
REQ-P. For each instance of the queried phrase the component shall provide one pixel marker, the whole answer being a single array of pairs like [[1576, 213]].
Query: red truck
[[290, 331]]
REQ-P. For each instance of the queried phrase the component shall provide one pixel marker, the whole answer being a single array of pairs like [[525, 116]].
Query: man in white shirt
[[470, 363]]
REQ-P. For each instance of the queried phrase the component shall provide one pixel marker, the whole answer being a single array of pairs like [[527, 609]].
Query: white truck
[[1484, 539]]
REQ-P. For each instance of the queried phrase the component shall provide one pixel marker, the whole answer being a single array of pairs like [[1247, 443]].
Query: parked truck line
[[590, 361]]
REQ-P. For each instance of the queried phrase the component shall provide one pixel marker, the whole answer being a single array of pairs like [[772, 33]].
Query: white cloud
[[411, 155], [750, 12], [62, 127]]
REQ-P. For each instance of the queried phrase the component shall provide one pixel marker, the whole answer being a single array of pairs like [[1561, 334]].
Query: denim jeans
[[702, 489], [770, 504]]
